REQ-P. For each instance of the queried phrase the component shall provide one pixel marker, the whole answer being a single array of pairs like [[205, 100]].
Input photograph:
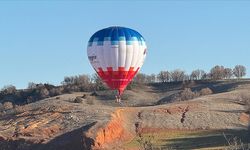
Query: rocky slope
[[58, 123]]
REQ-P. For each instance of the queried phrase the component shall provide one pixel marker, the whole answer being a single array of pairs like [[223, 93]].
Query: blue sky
[[45, 41]]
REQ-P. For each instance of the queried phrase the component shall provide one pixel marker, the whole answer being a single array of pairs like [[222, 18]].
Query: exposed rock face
[[57, 124], [115, 130]]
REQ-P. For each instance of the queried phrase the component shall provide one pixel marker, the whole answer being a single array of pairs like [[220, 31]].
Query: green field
[[203, 139]]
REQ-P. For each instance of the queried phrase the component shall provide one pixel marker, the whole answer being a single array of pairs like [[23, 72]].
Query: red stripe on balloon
[[117, 79]]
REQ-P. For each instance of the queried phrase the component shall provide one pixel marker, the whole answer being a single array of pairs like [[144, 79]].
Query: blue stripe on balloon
[[122, 38], [128, 42], [107, 38], [114, 42], [100, 43], [115, 34]]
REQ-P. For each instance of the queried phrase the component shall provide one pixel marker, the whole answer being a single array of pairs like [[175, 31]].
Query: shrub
[[98, 83], [44, 93], [78, 99], [245, 99], [140, 78], [187, 94], [9, 89], [29, 99], [130, 86], [1, 107], [94, 94], [206, 91], [55, 91], [32, 85], [7, 105], [84, 96], [66, 89]]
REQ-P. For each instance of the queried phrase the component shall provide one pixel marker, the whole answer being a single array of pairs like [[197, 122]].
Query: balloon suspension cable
[[119, 92], [118, 97]]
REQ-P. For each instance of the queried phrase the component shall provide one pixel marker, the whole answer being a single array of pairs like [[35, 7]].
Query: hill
[[150, 113]]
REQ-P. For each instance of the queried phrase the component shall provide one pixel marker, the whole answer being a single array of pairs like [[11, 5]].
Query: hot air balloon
[[116, 54]]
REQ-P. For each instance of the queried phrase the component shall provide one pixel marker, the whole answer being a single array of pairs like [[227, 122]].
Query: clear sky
[[43, 41]]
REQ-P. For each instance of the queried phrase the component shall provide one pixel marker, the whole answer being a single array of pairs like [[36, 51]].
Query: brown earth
[[62, 124]]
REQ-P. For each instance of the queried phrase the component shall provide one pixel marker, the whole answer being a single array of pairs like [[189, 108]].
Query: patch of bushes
[[206, 91], [8, 89], [245, 99], [8, 105], [188, 94], [56, 91], [1, 107], [78, 99], [7, 108], [85, 98], [34, 93]]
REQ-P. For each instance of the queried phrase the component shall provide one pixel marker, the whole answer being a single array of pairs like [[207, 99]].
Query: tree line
[[84, 83], [216, 73]]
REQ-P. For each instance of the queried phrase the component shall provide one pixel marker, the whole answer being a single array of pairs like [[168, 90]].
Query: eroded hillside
[[99, 123]]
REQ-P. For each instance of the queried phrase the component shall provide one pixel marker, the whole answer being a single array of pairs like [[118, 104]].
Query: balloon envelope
[[116, 54]]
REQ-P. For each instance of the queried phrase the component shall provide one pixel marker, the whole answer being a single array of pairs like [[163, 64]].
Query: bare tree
[[177, 75], [44, 93], [197, 74], [84, 82], [56, 91], [217, 72], [83, 79], [186, 77], [140, 78], [206, 76], [239, 71], [31, 85], [67, 81], [77, 83], [228, 73], [98, 83], [151, 78], [164, 76]]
